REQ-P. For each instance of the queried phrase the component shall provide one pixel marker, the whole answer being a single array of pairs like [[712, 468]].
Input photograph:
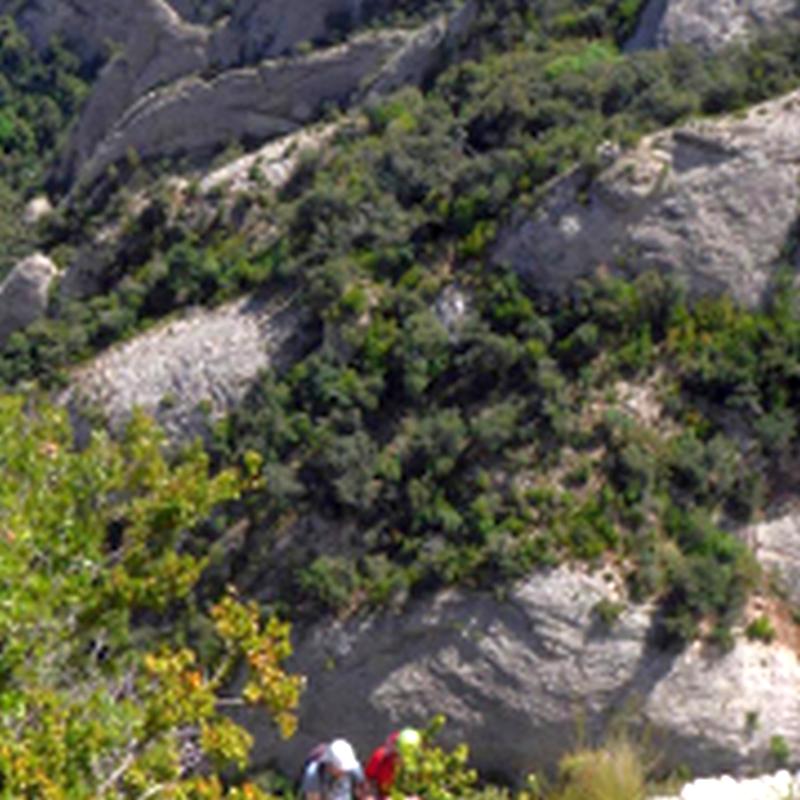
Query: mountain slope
[[573, 429]]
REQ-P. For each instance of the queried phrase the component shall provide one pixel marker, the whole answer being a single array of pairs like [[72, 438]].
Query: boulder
[[24, 292], [190, 371], [36, 209], [706, 25], [521, 678], [713, 202], [454, 308], [718, 714]]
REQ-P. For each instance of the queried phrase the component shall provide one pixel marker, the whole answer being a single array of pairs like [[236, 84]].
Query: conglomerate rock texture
[[519, 677], [191, 370], [713, 202], [175, 87], [707, 25]]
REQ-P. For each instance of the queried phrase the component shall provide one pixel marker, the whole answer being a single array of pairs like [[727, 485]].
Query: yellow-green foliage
[[433, 772], [614, 772], [98, 697]]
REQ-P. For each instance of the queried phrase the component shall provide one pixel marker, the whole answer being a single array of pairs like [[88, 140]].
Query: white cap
[[340, 754]]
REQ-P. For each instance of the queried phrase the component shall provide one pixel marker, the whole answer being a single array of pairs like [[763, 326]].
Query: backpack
[[314, 754]]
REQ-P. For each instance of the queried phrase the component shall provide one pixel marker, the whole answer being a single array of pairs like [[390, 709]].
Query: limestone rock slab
[[707, 25], [519, 678], [190, 371], [712, 202]]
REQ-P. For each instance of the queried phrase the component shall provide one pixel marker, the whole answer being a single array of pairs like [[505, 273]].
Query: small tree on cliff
[[99, 697]]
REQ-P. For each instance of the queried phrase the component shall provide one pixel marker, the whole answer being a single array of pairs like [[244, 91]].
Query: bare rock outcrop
[[776, 543], [90, 26], [262, 102], [36, 209], [275, 98], [271, 165], [156, 45], [160, 48], [420, 55], [713, 202], [185, 79], [517, 678], [259, 29], [192, 370], [23, 293], [706, 25]]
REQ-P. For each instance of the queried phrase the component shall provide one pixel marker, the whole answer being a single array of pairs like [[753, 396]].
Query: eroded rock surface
[[179, 108], [159, 49], [517, 677], [273, 99], [259, 29], [707, 25], [91, 26], [713, 202], [270, 166], [23, 293], [191, 370], [776, 544], [222, 77]]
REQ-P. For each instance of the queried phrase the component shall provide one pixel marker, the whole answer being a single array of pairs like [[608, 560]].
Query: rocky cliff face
[[518, 677], [197, 114], [159, 49], [173, 77], [714, 203], [260, 29], [776, 543], [707, 25]]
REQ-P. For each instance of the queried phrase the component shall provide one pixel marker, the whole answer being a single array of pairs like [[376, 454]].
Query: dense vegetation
[[471, 451], [449, 425], [114, 681], [418, 178], [40, 94]]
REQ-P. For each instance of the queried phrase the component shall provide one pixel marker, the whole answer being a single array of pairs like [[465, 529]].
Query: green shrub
[[330, 580], [433, 772], [779, 750], [761, 629]]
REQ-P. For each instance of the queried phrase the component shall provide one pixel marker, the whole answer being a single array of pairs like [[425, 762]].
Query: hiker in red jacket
[[384, 762]]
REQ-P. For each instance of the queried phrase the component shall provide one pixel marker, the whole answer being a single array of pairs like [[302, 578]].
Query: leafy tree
[[433, 772], [102, 694]]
